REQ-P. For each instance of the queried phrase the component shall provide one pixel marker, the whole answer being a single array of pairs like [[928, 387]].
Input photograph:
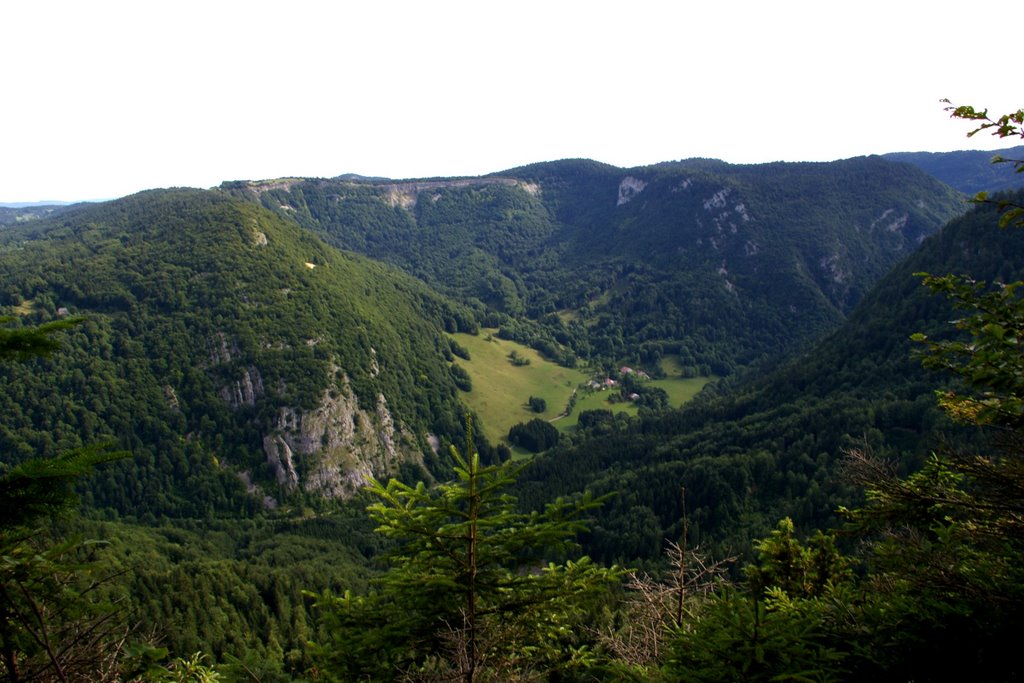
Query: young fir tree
[[472, 591]]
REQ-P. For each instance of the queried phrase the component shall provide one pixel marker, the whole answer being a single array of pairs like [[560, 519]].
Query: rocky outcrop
[[335, 448], [629, 188], [245, 390], [406, 194], [281, 459], [221, 350], [171, 396], [890, 221]]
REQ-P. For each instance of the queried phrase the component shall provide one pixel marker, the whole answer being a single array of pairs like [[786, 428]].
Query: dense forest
[[721, 265], [209, 327], [235, 442], [769, 447]]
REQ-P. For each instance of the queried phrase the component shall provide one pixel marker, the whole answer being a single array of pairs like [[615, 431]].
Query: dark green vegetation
[[942, 570], [769, 447], [243, 364], [53, 623], [968, 171], [219, 340], [722, 265], [535, 436], [258, 376], [470, 578]]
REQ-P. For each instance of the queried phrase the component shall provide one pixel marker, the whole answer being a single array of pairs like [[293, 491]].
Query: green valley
[[284, 409], [720, 265], [501, 389]]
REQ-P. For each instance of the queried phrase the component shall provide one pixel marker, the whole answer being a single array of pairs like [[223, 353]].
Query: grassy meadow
[[501, 389]]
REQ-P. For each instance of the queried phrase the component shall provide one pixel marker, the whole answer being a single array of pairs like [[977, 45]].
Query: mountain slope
[[719, 264], [226, 349], [771, 448], [12, 214], [969, 171]]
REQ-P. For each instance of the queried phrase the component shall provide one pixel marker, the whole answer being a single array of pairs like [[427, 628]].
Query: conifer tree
[[472, 590]]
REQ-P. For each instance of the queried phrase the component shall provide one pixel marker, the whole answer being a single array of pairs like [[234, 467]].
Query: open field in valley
[[501, 389]]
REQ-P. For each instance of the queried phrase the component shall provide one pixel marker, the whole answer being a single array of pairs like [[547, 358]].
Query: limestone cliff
[[334, 449]]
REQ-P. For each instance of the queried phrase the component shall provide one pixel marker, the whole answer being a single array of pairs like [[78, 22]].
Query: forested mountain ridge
[[970, 171], [14, 214], [227, 350], [770, 447], [720, 264]]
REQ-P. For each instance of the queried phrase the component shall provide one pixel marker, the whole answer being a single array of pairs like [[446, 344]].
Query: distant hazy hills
[[12, 214]]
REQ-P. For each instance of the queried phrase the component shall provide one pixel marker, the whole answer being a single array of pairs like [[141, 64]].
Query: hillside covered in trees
[[298, 493], [240, 359], [771, 446], [970, 171], [721, 265]]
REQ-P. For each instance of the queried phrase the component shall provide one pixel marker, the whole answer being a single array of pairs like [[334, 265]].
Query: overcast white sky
[[102, 99]]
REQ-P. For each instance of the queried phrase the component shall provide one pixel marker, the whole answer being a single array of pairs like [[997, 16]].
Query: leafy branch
[[1005, 126]]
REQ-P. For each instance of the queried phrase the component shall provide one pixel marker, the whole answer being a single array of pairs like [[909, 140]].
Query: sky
[[102, 99]]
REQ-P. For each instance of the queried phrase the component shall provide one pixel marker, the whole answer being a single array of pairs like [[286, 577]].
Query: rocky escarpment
[[335, 448], [403, 193]]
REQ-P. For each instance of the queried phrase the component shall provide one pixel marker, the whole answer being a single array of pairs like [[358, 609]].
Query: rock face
[[245, 390], [331, 450], [629, 188], [335, 448]]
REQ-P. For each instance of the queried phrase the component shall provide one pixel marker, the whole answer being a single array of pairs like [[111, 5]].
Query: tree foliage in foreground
[[1009, 125], [475, 589], [943, 593], [776, 627], [57, 619]]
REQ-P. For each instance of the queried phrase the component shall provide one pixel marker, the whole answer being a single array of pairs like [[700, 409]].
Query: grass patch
[[680, 390], [671, 366], [568, 315], [501, 389], [25, 307]]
